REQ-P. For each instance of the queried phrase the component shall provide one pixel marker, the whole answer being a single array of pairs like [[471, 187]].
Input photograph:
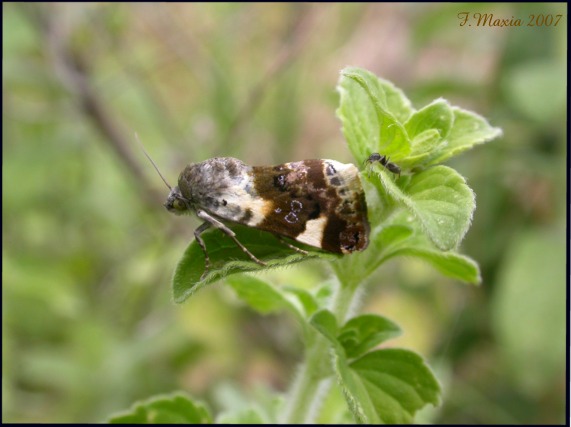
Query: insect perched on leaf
[[384, 160], [317, 202]]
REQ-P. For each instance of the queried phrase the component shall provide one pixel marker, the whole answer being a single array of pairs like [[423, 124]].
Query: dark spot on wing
[[210, 202], [335, 181], [314, 214], [247, 216], [280, 182], [330, 170], [310, 189]]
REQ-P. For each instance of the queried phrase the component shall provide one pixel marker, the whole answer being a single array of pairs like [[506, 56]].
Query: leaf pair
[[380, 386], [428, 209], [378, 118]]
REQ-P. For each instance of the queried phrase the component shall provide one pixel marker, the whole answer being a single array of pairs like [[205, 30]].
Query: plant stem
[[303, 392], [345, 301], [304, 397]]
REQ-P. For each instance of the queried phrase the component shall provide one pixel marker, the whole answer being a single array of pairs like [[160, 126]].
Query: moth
[[384, 160], [317, 202]]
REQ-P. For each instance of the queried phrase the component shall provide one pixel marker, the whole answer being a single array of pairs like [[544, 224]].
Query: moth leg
[[215, 223], [205, 226], [289, 245]]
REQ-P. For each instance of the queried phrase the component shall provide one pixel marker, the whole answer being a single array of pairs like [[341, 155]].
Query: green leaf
[[391, 98], [450, 264], [227, 258], [400, 240], [326, 323], [469, 129], [392, 235], [396, 239], [358, 118], [373, 111], [362, 333], [437, 115], [428, 129], [384, 386], [177, 408], [395, 100], [368, 123], [403, 235], [307, 300], [397, 382], [262, 296], [266, 298], [355, 394], [425, 145], [441, 201]]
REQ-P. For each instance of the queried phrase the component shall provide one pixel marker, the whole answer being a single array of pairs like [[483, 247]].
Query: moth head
[[176, 203]]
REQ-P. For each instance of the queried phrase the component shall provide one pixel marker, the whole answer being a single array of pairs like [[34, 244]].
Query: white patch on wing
[[348, 185], [259, 207], [347, 173], [313, 233]]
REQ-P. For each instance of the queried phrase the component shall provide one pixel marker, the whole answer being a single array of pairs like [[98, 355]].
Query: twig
[[74, 74]]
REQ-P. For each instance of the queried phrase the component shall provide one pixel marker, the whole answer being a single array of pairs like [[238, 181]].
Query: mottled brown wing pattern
[[318, 202]]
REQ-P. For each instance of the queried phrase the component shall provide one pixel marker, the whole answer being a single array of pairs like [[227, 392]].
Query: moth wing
[[317, 202]]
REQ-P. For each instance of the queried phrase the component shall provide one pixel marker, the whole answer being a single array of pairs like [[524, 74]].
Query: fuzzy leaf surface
[[362, 333], [227, 258], [371, 111], [468, 130], [439, 198], [383, 386]]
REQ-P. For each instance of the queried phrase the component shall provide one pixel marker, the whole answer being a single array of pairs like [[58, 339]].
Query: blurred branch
[[73, 72]]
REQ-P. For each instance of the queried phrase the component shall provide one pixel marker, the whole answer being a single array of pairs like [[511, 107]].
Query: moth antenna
[[151, 160]]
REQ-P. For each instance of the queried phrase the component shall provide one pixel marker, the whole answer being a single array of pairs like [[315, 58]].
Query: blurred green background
[[88, 251]]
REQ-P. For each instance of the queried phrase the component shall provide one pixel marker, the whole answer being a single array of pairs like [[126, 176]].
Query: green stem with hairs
[[306, 395]]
